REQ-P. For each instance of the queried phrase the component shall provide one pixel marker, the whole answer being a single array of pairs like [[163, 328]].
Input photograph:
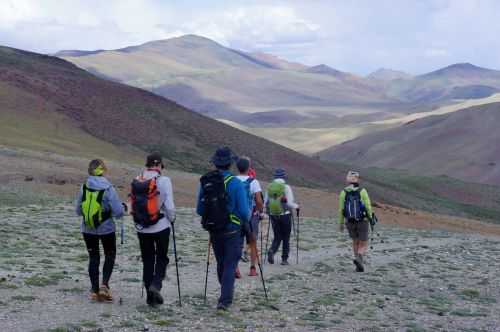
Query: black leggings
[[154, 252], [109, 245]]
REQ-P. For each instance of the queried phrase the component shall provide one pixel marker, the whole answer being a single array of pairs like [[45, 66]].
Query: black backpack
[[216, 215], [354, 210]]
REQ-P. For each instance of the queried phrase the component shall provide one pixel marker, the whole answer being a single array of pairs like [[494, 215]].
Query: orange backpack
[[145, 201]]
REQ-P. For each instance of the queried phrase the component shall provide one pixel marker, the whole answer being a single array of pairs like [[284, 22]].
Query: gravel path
[[416, 281]]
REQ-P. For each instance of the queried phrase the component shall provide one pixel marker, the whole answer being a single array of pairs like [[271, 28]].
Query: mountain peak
[[325, 69], [387, 74], [461, 69]]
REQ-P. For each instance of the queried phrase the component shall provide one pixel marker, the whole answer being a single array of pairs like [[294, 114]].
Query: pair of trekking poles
[[253, 246], [296, 232], [122, 241]]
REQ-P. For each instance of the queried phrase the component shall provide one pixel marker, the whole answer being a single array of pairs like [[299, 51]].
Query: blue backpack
[[354, 210], [251, 202]]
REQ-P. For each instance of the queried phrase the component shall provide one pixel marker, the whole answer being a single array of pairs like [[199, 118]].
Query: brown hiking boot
[[105, 294], [93, 296]]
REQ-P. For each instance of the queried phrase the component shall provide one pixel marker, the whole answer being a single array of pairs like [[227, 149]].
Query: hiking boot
[[253, 272], [237, 274], [359, 265], [155, 294], [284, 262], [270, 258], [150, 299], [93, 295], [105, 294], [222, 307], [244, 257]]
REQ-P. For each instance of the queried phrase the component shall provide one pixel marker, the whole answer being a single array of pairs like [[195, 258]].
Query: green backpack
[[275, 194], [92, 210]]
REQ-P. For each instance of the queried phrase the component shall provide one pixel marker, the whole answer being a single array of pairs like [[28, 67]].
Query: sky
[[358, 36]]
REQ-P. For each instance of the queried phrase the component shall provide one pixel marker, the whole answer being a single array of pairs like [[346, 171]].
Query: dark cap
[[223, 157], [280, 173], [154, 159], [243, 164]]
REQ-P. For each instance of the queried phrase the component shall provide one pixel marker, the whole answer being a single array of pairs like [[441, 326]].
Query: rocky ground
[[417, 280]]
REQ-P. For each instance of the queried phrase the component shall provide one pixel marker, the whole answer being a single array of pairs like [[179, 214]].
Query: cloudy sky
[[357, 36]]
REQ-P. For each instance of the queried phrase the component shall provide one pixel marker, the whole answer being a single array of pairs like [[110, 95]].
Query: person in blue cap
[[279, 202], [227, 242]]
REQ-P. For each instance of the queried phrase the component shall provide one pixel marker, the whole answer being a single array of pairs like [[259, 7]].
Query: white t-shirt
[[254, 185]]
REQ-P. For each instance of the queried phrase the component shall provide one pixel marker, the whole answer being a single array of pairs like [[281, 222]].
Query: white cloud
[[357, 36]]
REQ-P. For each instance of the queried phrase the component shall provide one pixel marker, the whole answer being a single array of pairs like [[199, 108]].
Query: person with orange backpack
[[153, 211], [99, 204]]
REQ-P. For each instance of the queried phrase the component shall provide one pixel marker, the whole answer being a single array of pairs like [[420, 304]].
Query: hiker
[[256, 204], [153, 211], [223, 206], [355, 211], [280, 205], [99, 204]]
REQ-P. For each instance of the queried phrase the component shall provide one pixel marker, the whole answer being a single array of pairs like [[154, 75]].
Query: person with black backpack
[[355, 212], [223, 207], [99, 204], [153, 210]]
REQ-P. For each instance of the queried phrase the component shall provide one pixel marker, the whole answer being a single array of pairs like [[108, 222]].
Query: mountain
[[59, 111], [458, 81], [221, 81], [49, 104], [459, 144], [385, 74]]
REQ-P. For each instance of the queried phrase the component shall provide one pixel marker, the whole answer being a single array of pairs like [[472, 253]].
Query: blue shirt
[[237, 203]]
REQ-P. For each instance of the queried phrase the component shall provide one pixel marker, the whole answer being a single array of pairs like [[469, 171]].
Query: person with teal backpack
[[98, 204], [279, 204], [256, 204]]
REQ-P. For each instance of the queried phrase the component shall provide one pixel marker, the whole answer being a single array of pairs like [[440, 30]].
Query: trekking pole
[[206, 274], [261, 240], [298, 233], [176, 265], [267, 236], [261, 273], [122, 236], [293, 226]]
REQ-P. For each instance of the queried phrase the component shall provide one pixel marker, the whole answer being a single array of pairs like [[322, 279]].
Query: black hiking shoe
[[150, 299], [359, 265], [155, 294], [284, 262], [222, 307], [270, 258]]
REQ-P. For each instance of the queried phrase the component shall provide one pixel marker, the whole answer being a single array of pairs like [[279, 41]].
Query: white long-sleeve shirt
[[290, 200], [167, 207]]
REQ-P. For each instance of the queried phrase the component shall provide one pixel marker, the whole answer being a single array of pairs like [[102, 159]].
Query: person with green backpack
[[98, 204], [355, 212], [279, 202]]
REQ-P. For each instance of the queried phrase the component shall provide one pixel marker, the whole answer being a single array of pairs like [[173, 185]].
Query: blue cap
[[279, 173], [223, 157]]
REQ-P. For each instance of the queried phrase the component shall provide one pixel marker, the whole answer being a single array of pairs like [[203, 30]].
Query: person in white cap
[[355, 212]]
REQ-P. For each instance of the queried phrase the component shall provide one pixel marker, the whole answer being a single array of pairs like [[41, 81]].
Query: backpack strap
[[234, 218]]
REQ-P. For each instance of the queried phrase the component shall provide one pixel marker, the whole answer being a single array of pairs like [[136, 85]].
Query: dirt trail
[[416, 280]]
